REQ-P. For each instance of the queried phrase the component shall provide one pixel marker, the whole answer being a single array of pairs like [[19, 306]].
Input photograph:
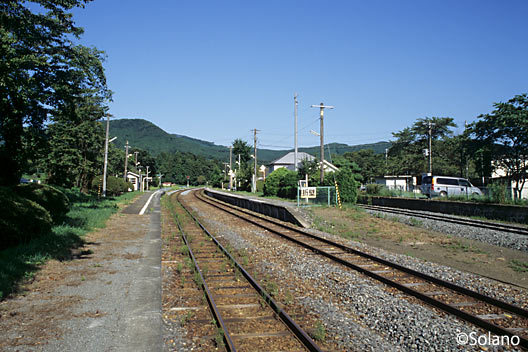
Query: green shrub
[[282, 183], [114, 185], [260, 185], [21, 219], [348, 186], [288, 185], [374, 188], [50, 198]]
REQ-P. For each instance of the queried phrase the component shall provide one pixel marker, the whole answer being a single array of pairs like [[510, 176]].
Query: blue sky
[[214, 70]]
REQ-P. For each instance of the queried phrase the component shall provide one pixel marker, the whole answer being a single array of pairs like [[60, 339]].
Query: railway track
[[246, 316], [495, 316], [452, 219]]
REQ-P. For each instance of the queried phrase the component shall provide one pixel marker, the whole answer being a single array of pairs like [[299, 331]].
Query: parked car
[[445, 186]]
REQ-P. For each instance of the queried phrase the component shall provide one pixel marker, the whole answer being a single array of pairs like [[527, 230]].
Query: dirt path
[[97, 301]]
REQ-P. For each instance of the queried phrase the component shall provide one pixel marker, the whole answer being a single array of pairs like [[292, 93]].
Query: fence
[[309, 196], [494, 194]]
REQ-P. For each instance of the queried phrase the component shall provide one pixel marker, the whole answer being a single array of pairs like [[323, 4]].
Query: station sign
[[308, 192]]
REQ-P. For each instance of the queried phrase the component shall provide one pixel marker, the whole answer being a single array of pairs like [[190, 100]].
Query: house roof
[[330, 166], [288, 159]]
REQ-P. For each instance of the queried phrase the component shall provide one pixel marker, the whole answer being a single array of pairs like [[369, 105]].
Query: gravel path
[[358, 312], [107, 298]]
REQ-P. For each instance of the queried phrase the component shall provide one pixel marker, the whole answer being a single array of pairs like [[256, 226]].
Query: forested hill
[[145, 135]]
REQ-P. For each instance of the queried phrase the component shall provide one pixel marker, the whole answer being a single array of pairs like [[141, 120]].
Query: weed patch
[[519, 265], [86, 214]]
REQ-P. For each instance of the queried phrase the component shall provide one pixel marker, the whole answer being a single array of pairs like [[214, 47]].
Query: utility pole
[[386, 160], [321, 132], [254, 183], [136, 153], [230, 167], [236, 179], [295, 131], [430, 145], [106, 154], [126, 161], [147, 178]]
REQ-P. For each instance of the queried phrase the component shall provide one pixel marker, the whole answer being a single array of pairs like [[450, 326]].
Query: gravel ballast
[[494, 237], [358, 312]]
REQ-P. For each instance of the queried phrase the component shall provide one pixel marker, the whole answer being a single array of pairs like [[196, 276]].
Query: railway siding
[[490, 211]]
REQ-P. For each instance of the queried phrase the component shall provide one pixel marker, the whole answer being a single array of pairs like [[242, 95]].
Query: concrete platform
[[282, 210]]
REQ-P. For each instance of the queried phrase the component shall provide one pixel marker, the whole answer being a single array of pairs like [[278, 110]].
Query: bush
[[260, 185], [114, 185], [374, 188], [282, 183], [21, 219], [348, 186], [288, 185], [50, 198]]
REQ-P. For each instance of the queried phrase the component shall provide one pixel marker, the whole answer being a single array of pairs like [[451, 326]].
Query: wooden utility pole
[[321, 133], [126, 161], [254, 183]]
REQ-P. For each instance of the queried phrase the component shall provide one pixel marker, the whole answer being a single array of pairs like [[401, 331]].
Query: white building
[[405, 183], [288, 161], [136, 180]]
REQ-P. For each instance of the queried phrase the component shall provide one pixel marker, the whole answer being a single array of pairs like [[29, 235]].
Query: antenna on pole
[[321, 132]]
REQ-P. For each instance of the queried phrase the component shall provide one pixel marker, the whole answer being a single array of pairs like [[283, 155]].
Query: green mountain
[[145, 135]]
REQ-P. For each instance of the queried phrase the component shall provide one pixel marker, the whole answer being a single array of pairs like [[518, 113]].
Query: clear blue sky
[[214, 70]]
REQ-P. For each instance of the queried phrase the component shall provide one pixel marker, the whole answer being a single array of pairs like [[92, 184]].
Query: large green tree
[[244, 170], [501, 137], [76, 139], [38, 62], [371, 164], [406, 155]]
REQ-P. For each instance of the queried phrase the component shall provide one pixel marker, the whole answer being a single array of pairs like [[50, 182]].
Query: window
[[463, 182], [447, 181]]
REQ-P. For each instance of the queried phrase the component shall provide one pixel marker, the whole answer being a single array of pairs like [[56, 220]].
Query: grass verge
[[19, 264]]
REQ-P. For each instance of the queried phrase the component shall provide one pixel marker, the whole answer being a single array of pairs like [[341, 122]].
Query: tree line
[[495, 142]]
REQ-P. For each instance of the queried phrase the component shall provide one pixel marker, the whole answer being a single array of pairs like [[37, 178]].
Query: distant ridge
[[145, 135]]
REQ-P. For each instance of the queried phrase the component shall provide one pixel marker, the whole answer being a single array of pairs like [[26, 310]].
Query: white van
[[445, 186]]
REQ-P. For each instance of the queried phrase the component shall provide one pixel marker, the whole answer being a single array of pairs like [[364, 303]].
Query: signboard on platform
[[309, 192]]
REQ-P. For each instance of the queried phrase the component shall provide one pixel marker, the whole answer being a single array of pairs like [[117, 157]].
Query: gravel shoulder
[[108, 297]]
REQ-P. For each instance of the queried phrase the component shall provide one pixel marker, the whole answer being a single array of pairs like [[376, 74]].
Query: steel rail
[[299, 333], [230, 346], [428, 299], [470, 222]]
